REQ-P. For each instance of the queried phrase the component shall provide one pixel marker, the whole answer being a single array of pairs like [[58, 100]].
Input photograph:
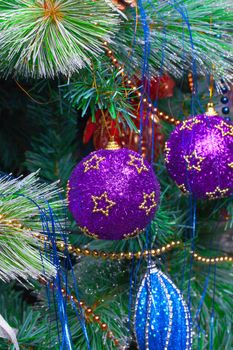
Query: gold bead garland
[[89, 313], [191, 84], [78, 251], [138, 255], [155, 113], [214, 260], [118, 256]]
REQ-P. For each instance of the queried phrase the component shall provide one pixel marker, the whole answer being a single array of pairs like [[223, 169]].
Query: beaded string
[[191, 83], [78, 251], [89, 313]]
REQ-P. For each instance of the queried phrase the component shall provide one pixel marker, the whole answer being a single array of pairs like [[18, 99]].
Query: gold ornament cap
[[112, 145], [210, 112]]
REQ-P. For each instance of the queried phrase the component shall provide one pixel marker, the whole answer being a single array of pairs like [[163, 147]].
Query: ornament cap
[[210, 112], [112, 145]]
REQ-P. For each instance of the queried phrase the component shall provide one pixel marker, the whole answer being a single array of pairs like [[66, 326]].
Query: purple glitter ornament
[[113, 194], [199, 156]]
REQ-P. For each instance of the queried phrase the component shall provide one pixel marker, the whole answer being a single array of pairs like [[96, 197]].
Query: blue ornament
[[225, 110], [162, 319], [224, 99]]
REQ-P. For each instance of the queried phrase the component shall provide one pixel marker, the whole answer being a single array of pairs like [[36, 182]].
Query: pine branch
[[101, 87], [180, 32], [45, 38], [20, 221], [31, 324], [54, 149]]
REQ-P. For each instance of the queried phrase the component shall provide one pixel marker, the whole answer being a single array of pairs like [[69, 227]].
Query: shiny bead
[[96, 318], [224, 89], [95, 253], [228, 119], [110, 335], [89, 310], [224, 99], [225, 110], [104, 326], [218, 36]]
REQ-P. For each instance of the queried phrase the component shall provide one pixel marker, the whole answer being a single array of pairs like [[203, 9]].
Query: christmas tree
[[116, 174]]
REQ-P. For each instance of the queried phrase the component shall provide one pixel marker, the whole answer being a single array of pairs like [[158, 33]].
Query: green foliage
[[100, 87], [53, 151], [32, 326]]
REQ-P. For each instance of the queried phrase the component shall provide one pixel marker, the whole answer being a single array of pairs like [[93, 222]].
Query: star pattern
[[148, 202], [93, 163], [106, 206], [132, 234], [189, 123], [68, 191], [138, 163], [183, 188], [225, 128], [166, 152], [217, 193], [194, 161], [88, 233]]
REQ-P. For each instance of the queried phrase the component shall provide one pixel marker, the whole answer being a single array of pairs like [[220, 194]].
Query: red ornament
[[105, 127], [160, 87]]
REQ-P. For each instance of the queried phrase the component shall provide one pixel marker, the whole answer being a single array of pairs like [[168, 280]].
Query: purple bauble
[[113, 194], [199, 156]]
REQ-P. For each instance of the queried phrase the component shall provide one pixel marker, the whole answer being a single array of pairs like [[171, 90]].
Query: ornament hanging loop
[[112, 144], [210, 112]]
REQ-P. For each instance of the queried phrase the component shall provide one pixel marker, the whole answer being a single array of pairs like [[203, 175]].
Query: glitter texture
[[198, 154], [162, 319], [113, 194]]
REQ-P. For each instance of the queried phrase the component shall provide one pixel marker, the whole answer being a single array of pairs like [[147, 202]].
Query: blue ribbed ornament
[[162, 319]]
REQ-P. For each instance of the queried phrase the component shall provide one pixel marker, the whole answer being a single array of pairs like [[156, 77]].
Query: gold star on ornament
[[189, 123], [102, 204], [183, 188], [93, 163], [230, 165], [88, 233], [217, 193], [225, 128], [148, 202], [194, 161], [167, 151], [138, 163]]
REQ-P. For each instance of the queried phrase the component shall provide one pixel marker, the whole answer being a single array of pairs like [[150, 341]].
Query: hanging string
[[197, 315], [49, 226], [193, 236], [212, 312], [130, 302]]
